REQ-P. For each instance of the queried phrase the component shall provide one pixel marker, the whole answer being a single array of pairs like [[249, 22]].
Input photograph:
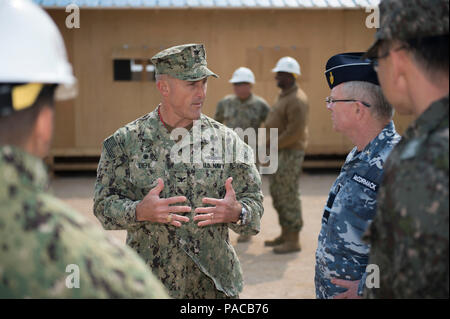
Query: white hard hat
[[243, 74], [33, 49], [287, 64]]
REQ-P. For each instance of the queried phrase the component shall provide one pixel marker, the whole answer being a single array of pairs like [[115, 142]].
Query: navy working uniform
[[351, 204]]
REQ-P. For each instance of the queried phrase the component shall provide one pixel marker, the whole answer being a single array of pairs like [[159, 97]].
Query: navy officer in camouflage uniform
[[168, 180], [48, 250], [410, 234], [359, 111]]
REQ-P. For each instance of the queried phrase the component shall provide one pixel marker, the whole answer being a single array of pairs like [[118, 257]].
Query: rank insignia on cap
[[186, 62], [196, 56], [346, 67]]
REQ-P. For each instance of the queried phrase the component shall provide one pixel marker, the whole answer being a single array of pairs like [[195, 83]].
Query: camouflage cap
[[186, 62], [410, 19]]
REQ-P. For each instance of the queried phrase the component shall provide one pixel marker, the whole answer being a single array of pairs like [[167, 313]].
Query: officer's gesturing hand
[[157, 210], [226, 210]]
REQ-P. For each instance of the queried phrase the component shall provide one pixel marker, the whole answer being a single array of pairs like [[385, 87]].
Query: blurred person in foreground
[[410, 235], [47, 250]]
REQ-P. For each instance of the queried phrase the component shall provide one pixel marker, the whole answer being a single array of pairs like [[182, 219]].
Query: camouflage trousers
[[197, 285], [285, 190]]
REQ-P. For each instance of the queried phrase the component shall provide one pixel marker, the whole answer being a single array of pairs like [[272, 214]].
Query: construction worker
[[243, 110], [47, 249], [290, 116]]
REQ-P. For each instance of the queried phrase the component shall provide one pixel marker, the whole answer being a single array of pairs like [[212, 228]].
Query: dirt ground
[[266, 275]]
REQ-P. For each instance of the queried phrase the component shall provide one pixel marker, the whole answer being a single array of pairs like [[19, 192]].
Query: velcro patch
[[365, 182]]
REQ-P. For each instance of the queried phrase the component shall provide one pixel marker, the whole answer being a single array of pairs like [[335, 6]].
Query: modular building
[[111, 47]]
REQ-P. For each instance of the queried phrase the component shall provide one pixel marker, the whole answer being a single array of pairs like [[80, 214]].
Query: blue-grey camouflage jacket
[[351, 206]]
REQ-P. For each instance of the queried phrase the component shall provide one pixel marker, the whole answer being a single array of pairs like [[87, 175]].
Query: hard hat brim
[[240, 81], [275, 70]]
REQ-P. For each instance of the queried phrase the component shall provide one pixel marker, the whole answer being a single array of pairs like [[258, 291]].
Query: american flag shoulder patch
[[110, 144]]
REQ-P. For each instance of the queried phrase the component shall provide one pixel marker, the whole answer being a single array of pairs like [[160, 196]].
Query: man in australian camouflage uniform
[[175, 154], [47, 250], [243, 110], [289, 115], [410, 234], [360, 112]]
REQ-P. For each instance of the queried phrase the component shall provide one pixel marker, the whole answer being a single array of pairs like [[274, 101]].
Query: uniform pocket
[[208, 182], [229, 113], [144, 173], [349, 219]]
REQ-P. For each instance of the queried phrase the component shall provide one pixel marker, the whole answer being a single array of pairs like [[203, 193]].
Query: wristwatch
[[242, 217]]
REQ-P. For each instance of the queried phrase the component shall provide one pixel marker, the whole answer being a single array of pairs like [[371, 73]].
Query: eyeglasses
[[374, 60], [330, 101]]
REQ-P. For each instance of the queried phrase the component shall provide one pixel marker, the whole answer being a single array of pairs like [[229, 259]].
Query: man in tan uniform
[[289, 115]]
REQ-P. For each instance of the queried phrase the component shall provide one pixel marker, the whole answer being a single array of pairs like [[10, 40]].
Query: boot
[[244, 238], [277, 241], [290, 245]]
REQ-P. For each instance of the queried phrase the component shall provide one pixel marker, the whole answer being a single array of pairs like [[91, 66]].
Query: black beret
[[346, 67]]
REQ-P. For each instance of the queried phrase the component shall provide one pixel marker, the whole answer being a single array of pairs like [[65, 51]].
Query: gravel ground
[[266, 275]]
